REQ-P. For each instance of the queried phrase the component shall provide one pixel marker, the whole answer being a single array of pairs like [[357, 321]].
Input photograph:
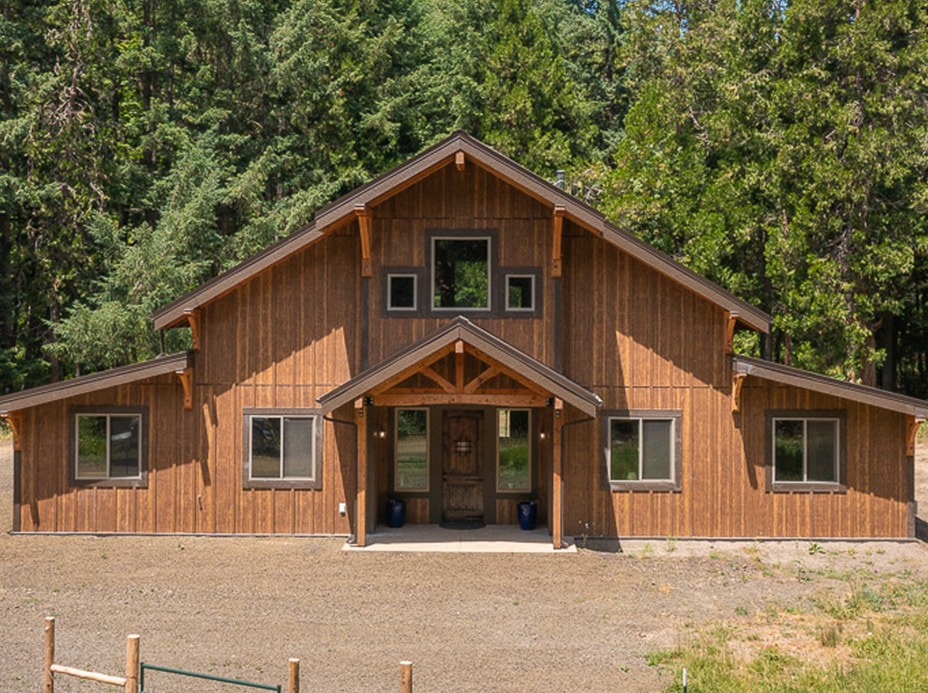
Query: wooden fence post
[[49, 653], [294, 675], [132, 664], [405, 677]]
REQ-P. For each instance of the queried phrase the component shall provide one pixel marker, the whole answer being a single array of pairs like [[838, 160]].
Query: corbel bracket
[[731, 321], [15, 420], [364, 225], [557, 240], [737, 380], [193, 320], [186, 381], [911, 433]]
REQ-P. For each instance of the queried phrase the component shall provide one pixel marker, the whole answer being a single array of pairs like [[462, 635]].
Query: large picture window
[[281, 449], [461, 273], [513, 454], [806, 450], [108, 446], [412, 450], [642, 450]]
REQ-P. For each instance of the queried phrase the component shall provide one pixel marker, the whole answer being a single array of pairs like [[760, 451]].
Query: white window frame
[[396, 452], [530, 450], [459, 309], [531, 308], [415, 292], [836, 462], [108, 415]]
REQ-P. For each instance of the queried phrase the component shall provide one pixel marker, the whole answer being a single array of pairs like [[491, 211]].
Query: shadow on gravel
[[601, 544], [921, 529]]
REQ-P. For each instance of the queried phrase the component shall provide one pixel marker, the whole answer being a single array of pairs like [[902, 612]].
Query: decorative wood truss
[[459, 374]]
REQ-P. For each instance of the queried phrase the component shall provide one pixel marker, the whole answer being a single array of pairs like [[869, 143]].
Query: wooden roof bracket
[[186, 381], [914, 424], [459, 160], [15, 421], [731, 321], [557, 242], [737, 380], [364, 224], [193, 320]]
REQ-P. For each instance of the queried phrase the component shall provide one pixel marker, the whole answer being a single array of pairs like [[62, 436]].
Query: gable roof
[[788, 375], [432, 159], [84, 384], [462, 329]]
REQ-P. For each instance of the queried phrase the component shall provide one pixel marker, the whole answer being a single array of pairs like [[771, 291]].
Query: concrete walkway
[[433, 538]]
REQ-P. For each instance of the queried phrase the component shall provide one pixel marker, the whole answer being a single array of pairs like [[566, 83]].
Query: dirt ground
[[240, 607]]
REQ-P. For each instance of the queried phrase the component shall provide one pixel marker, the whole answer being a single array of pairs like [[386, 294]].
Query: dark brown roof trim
[[864, 394], [96, 381], [432, 159], [461, 328]]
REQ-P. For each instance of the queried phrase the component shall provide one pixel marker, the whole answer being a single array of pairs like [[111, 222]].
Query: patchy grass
[[874, 638]]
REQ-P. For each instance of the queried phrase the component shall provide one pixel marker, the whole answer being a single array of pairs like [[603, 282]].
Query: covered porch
[[462, 428], [412, 538]]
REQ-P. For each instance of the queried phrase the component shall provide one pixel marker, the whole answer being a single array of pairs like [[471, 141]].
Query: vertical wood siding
[[637, 339]]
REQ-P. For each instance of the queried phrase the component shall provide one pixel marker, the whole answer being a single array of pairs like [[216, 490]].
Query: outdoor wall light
[[543, 435], [380, 434]]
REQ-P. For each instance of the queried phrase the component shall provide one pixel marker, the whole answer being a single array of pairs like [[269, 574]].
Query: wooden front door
[[462, 466]]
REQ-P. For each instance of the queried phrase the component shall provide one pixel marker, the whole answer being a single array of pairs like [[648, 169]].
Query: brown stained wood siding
[[461, 200]]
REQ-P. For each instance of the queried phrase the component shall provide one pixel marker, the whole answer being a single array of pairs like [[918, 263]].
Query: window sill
[[282, 484], [645, 485], [806, 487], [112, 482]]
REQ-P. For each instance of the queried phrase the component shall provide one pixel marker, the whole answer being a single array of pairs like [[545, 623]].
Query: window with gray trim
[[401, 292], [806, 450], [281, 449], [108, 445], [520, 292], [642, 450], [461, 269]]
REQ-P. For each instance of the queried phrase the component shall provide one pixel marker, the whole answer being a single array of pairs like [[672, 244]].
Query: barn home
[[464, 336]]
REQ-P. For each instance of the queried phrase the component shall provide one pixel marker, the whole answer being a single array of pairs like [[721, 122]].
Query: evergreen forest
[[778, 147]]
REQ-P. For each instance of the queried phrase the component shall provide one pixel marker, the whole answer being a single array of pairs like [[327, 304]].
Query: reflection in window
[[520, 292], [640, 449], [282, 447], [513, 454], [412, 426], [461, 273], [805, 450], [108, 446]]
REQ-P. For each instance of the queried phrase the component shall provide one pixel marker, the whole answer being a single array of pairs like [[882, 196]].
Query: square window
[[520, 292], [282, 447], [461, 273], [401, 292], [642, 450], [513, 453], [108, 446], [806, 450], [412, 450]]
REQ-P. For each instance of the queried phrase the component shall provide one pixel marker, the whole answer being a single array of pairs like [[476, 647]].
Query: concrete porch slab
[[437, 539]]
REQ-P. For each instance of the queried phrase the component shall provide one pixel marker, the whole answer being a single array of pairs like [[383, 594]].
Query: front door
[[462, 465]]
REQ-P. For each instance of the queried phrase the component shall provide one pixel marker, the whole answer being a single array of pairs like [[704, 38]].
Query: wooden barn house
[[464, 336]]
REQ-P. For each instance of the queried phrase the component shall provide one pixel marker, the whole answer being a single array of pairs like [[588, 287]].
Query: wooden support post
[[557, 242], [737, 381], [364, 226], [360, 520], [294, 676], [459, 366], [557, 464], [193, 320], [459, 160], [132, 664], [49, 654], [405, 677]]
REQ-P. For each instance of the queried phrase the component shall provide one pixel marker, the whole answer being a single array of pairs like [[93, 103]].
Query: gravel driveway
[[240, 607]]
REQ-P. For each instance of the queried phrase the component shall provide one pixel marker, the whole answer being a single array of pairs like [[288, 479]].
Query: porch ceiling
[[505, 375]]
